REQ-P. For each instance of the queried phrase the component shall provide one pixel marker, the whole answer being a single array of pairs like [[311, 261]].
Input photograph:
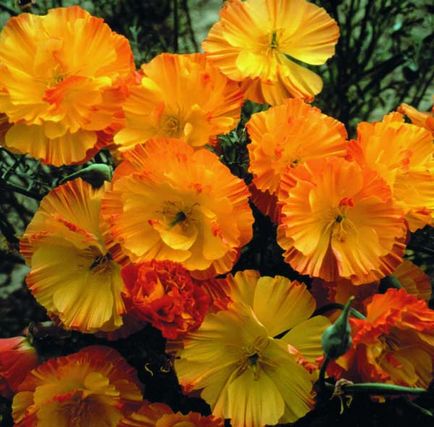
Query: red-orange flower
[[180, 96], [17, 359], [160, 415], [164, 294], [62, 79], [94, 387], [395, 344], [339, 221], [255, 41], [170, 202]]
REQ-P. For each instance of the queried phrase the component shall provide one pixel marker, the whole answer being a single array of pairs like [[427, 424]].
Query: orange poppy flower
[[395, 344], [93, 387], [402, 154], [169, 202], [339, 221], [164, 294], [287, 136], [72, 273], [17, 358], [255, 41], [62, 81], [180, 96], [160, 415]]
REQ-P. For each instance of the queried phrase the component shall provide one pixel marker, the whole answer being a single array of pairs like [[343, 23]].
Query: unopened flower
[[17, 358], [339, 221], [160, 415], [170, 202], [183, 97], [394, 344], [243, 372], [94, 387], [255, 41], [72, 273], [62, 82]]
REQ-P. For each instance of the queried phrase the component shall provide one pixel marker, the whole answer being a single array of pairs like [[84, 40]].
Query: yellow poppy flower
[[259, 43]]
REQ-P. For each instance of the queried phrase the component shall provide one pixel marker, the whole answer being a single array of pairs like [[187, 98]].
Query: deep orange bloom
[[17, 359], [339, 221], [255, 41], [402, 154], [286, 136], [62, 81], [160, 415], [180, 96], [169, 202], [72, 273], [94, 387], [395, 344], [164, 294]]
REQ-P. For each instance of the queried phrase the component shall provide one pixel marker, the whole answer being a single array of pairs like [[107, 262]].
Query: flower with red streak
[[164, 294], [180, 96], [394, 344], [171, 202], [17, 358], [94, 387], [62, 83], [338, 220], [402, 154], [160, 415]]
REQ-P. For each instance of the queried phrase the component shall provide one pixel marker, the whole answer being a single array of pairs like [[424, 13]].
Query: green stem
[[378, 389], [337, 306]]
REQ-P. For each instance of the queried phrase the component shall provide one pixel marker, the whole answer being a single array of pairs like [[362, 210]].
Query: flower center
[[78, 409], [274, 43], [171, 126], [101, 263], [179, 217], [57, 76]]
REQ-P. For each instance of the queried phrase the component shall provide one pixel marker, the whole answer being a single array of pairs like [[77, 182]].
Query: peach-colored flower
[[62, 79], [180, 96], [169, 202], [402, 154], [287, 136], [339, 221], [255, 41]]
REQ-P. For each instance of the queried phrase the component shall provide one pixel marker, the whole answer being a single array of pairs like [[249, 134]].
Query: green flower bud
[[336, 339]]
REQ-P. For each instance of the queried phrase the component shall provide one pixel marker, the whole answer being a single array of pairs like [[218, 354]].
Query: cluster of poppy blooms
[[157, 244]]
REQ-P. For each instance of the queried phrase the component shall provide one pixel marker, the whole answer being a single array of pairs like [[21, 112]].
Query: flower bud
[[336, 339]]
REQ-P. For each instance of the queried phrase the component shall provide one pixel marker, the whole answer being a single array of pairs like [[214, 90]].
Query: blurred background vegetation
[[383, 58]]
